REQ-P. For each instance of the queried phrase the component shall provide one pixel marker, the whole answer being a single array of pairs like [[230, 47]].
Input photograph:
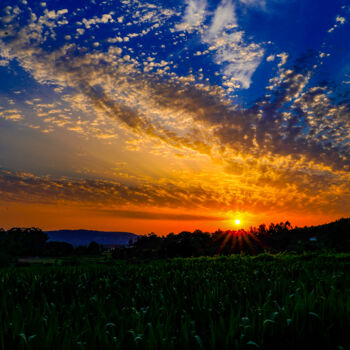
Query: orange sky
[[51, 217]]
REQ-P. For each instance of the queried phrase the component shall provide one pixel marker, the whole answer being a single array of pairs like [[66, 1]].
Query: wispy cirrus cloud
[[195, 14], [224, 16], [260, 3], [238, 57]]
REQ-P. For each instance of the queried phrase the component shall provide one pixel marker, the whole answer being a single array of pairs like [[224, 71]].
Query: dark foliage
[[273, 238], [93, 248], [23, 241], [58, 249], [18, 242], [81, 250], [5, 259]]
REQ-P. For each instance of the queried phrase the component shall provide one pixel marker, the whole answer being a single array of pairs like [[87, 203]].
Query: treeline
[[22, 242], [273, 238], [19, 242]]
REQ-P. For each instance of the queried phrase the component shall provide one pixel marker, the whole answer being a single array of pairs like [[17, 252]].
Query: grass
[[269, 302]]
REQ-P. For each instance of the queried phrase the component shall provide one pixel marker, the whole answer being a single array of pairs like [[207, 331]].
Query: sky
[[164, 116]]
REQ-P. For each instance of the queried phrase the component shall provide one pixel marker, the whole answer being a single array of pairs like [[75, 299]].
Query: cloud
[[105, 18], [242, 61], [339, 21], [11, 114], [224, 16], [261, 3], [195, 14], [5, 56], [27, 187], [144, 13], [10, 14], [238, 58], [144, 215], [176, 199]]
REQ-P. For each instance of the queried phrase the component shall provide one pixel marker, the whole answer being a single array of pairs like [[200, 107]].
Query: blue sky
[[268, 28], [254, 93]]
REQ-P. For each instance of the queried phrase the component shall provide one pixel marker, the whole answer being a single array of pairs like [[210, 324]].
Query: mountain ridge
[[84, 237]]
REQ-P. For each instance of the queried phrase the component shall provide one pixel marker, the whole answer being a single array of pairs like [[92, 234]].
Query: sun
[[237, 221]]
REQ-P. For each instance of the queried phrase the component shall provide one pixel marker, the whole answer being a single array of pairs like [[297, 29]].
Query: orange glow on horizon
[[51, 217]]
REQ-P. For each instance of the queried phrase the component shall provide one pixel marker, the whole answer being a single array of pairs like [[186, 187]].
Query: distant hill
[[84, 237]]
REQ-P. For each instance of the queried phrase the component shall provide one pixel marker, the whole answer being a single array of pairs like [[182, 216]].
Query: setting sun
[[237, 221]]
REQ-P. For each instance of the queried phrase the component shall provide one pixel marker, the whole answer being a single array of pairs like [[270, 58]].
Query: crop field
[[281, 302]]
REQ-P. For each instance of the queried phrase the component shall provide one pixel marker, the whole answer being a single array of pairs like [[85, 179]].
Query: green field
[[281, 302]]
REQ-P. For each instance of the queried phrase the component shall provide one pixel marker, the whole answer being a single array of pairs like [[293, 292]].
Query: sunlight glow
[[237, 221]]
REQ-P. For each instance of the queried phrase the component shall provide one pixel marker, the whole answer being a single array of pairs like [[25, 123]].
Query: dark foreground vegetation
[[281, 301]]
